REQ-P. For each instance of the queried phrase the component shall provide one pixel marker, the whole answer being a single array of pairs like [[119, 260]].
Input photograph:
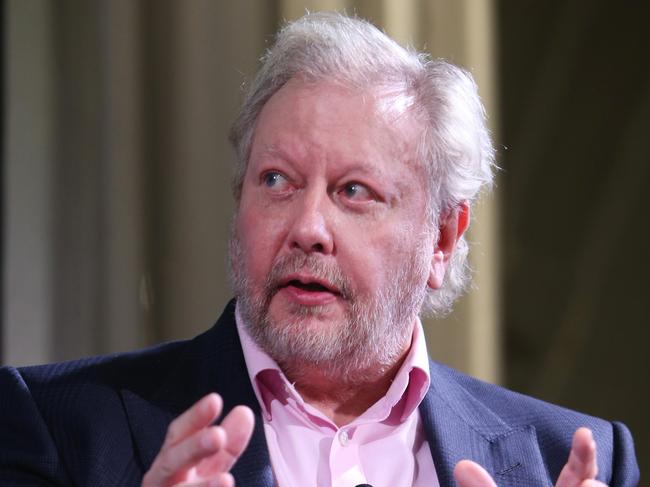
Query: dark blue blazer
[[101, 421]]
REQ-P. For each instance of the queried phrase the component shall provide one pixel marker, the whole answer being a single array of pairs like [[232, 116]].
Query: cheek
[[258, 237], [379, 257], [371, 260]]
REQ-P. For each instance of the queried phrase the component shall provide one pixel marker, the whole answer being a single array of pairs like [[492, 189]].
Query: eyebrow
[[274, 151]]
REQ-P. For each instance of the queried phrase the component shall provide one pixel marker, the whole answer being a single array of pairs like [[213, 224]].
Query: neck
[[342, 401]]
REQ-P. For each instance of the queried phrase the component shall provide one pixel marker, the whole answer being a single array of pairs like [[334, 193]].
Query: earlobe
[[437, 271], [451, 229]]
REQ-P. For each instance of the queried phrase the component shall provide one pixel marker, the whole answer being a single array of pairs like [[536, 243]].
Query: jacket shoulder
[[56, 420], [554, 426], [75, 422], [138, 369]]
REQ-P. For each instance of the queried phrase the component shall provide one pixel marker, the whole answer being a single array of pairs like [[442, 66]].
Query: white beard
[[372, 337]]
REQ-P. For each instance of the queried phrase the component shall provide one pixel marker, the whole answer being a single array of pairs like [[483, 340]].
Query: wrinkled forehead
[[385, 114], [388, 102], [393, 99]]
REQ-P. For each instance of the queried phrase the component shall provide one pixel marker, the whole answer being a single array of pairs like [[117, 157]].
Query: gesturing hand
[[579, 471], [196, 453]]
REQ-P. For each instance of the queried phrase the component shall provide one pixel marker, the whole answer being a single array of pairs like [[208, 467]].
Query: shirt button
[[344, 438]]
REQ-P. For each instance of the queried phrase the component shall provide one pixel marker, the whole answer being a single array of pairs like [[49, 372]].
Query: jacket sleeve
[[625, 470], [28, 456]]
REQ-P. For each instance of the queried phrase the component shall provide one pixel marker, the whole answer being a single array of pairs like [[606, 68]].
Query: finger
[[200, 415], [219, 480], [471, 474], [239, 427], [173, 462], [592, 483], [582, 464]]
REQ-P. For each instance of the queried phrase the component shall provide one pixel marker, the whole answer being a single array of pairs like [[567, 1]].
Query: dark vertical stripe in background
[[575, 110], [2, 166]]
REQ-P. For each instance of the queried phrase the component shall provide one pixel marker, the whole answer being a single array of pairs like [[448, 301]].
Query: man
[[358, 164]]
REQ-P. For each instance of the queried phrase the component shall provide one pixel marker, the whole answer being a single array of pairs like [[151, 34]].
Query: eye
[[357, 192], [274, 180]]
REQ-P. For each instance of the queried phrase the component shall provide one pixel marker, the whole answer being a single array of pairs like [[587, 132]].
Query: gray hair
[[455, 149]]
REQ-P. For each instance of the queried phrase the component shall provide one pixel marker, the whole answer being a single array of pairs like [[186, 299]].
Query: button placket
[[345, 464]]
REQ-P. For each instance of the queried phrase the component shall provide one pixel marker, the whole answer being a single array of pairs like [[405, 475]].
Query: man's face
[[331, 249]]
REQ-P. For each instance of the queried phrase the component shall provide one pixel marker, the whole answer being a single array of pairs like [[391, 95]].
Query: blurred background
[[115, 181]]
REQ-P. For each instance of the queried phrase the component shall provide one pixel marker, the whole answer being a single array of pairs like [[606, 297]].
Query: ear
[[451, 228]]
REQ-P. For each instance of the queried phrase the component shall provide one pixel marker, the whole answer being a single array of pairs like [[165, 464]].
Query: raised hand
[[197, 453], [579, 471], [581, 468]]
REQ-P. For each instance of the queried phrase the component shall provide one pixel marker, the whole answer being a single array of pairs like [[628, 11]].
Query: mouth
[[308, 284], [308, 290]]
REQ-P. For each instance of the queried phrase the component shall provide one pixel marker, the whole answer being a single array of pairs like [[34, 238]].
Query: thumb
[[471, 474]]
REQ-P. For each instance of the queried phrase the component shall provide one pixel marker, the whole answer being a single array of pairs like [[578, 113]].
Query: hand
[[196, 453], [579, 471]]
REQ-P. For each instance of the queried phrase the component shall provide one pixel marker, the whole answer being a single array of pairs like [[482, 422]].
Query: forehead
[[327, 119]]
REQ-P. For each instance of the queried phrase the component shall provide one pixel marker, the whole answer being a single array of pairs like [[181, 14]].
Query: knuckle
[[165, 462], [161, 469], [165, 470]]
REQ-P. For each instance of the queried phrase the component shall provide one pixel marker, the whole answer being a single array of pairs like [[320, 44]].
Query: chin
[[281, 310], [306, 333]]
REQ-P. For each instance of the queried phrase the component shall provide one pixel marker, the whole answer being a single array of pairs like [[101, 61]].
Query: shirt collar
[[407, 389]]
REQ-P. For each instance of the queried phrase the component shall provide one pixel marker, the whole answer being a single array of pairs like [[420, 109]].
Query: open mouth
[[309, 286], [307, 290]]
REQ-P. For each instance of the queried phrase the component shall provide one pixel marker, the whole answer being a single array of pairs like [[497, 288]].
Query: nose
[[310, 230]]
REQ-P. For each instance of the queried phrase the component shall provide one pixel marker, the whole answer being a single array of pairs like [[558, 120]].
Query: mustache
[[311, 264]]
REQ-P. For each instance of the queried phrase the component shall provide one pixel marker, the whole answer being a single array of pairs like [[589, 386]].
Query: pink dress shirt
[[385, 446]]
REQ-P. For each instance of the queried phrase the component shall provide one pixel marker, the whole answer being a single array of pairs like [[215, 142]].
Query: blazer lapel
[[212, 362], [148, 422], [458, 427]]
